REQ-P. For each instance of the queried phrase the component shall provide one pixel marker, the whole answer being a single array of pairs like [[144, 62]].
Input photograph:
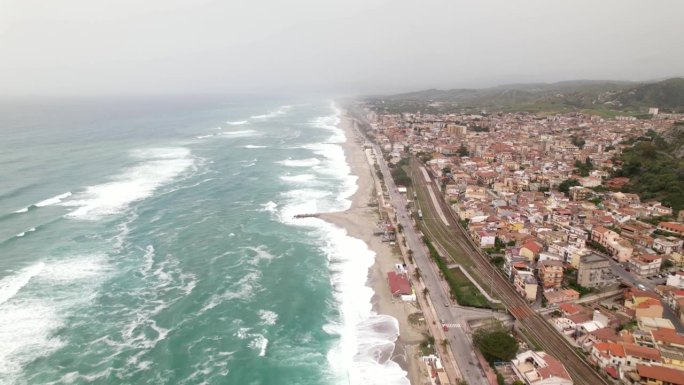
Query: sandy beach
[[360, 222]]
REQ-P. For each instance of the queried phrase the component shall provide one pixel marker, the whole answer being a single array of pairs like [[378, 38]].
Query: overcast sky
[[177, 46]]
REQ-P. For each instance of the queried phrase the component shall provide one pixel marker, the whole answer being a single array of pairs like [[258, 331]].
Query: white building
[[539, 368]]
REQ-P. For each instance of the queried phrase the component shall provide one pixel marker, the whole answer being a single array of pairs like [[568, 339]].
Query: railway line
[[451, 235]]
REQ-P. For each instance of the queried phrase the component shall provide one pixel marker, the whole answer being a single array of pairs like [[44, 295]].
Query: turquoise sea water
[[152, 242]]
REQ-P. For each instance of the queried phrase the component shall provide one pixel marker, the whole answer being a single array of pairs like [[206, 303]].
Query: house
[[525, 284], [646, 265], [671, 227], [608, 354], [551, 273], [560, 296], [620, 249], [399, 284], [485, 239], [539, 368], [659, 375], [635, 354], [531, 250], [667, 245], [643, 303]]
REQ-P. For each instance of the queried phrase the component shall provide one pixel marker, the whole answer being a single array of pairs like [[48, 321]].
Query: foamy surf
[[156, 167], [23, 233], [366, 340], [309, 162], [34, 303], [272, 114], [46, 202], [298, 178], [237, 122]]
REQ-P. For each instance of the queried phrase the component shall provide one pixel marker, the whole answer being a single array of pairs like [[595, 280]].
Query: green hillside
[[656, 168], [606, 98]]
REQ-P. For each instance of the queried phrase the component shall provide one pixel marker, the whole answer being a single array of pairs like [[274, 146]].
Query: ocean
[[152, 241]]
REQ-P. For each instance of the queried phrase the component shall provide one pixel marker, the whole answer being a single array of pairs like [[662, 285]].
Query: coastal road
[[458, 340], [455, 239]]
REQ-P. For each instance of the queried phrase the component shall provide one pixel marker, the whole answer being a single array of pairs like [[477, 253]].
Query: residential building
[[659, 375], [551, 273], [672, 227], [525, 284], [539, 368], [667, 245], [646, 265], [561, 296], [594, 271]]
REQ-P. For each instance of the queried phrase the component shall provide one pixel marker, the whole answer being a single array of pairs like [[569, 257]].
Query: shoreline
[[359, 221]]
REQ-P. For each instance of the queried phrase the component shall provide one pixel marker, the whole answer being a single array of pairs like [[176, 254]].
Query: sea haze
[[153, 242]]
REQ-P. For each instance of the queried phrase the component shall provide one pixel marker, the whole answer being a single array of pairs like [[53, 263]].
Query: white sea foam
[[34, 303], [156, 167], [272, 114], [243, 289], [260, 344], [366, 340], [46, 202], [268, 317], [139, 330], [237, 122], [10, 286], [23, 233], [270, 206], [309, 162], [261, 253], [237, 134], [53, 200], [298, 178], [331, 123], [204, 136], [253, 146]]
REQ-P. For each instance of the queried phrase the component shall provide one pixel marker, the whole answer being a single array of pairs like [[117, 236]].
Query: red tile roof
[[661, 373], [642, 352], [554, 368], [399, 284]]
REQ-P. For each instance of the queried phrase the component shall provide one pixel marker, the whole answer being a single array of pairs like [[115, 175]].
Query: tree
[[564, 187], [463, 150], [666, 264], [495, 343], [577, 141]]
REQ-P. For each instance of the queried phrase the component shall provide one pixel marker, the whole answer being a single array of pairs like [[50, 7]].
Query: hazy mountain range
[[606, 97]]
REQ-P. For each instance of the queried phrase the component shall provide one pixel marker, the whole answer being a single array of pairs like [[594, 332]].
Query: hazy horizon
[[355, 47]]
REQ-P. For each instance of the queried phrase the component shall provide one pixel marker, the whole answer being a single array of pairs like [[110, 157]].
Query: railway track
[[534, 324]]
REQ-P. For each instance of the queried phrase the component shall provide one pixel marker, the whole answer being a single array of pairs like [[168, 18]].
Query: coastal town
[[542, 198]]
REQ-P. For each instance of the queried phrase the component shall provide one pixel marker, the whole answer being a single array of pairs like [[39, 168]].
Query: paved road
[[544, 333], [649, 284], [460, 344]]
